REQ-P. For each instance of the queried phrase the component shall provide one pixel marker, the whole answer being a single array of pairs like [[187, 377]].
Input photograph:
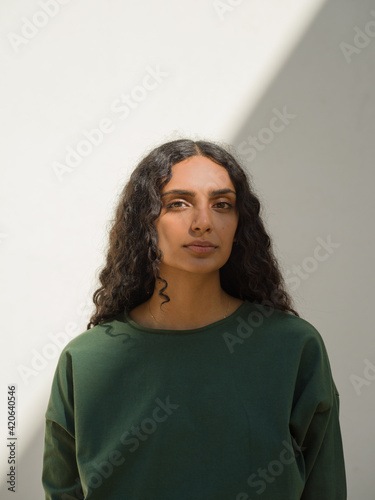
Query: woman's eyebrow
[[184, 192]]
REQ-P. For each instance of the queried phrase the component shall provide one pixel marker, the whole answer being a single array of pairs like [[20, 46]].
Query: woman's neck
[[195, 301]]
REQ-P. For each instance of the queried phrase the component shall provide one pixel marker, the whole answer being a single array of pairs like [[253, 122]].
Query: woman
[[196, 379]]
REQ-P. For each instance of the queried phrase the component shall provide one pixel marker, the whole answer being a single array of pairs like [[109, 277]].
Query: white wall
[[221, 77]]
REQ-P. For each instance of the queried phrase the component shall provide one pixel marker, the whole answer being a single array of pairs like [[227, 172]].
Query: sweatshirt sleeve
[[315, 425], [60, 477]]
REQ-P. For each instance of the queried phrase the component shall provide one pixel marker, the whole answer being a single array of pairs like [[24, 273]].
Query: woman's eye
[[180, 204], [224, 204], [175, 204]]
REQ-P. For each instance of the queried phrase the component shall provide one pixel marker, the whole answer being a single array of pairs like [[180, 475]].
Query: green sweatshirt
[[241, 409]]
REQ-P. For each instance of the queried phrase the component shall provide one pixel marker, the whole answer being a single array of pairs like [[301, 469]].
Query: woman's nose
[[202, 220]]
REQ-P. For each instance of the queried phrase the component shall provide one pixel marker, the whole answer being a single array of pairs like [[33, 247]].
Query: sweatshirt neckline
[[162, 331]]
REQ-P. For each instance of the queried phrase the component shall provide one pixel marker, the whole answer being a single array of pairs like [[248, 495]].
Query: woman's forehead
[[199, 172]]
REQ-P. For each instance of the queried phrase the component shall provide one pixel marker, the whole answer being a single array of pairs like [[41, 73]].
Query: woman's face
[[199, 218]]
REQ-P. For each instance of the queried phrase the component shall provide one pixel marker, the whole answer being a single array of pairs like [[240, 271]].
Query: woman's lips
[[201, 249]]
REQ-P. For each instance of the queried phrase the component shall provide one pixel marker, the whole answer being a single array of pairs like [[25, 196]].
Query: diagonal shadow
[[315, 173]]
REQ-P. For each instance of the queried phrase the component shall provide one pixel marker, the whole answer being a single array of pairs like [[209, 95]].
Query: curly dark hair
[[132, 262]]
